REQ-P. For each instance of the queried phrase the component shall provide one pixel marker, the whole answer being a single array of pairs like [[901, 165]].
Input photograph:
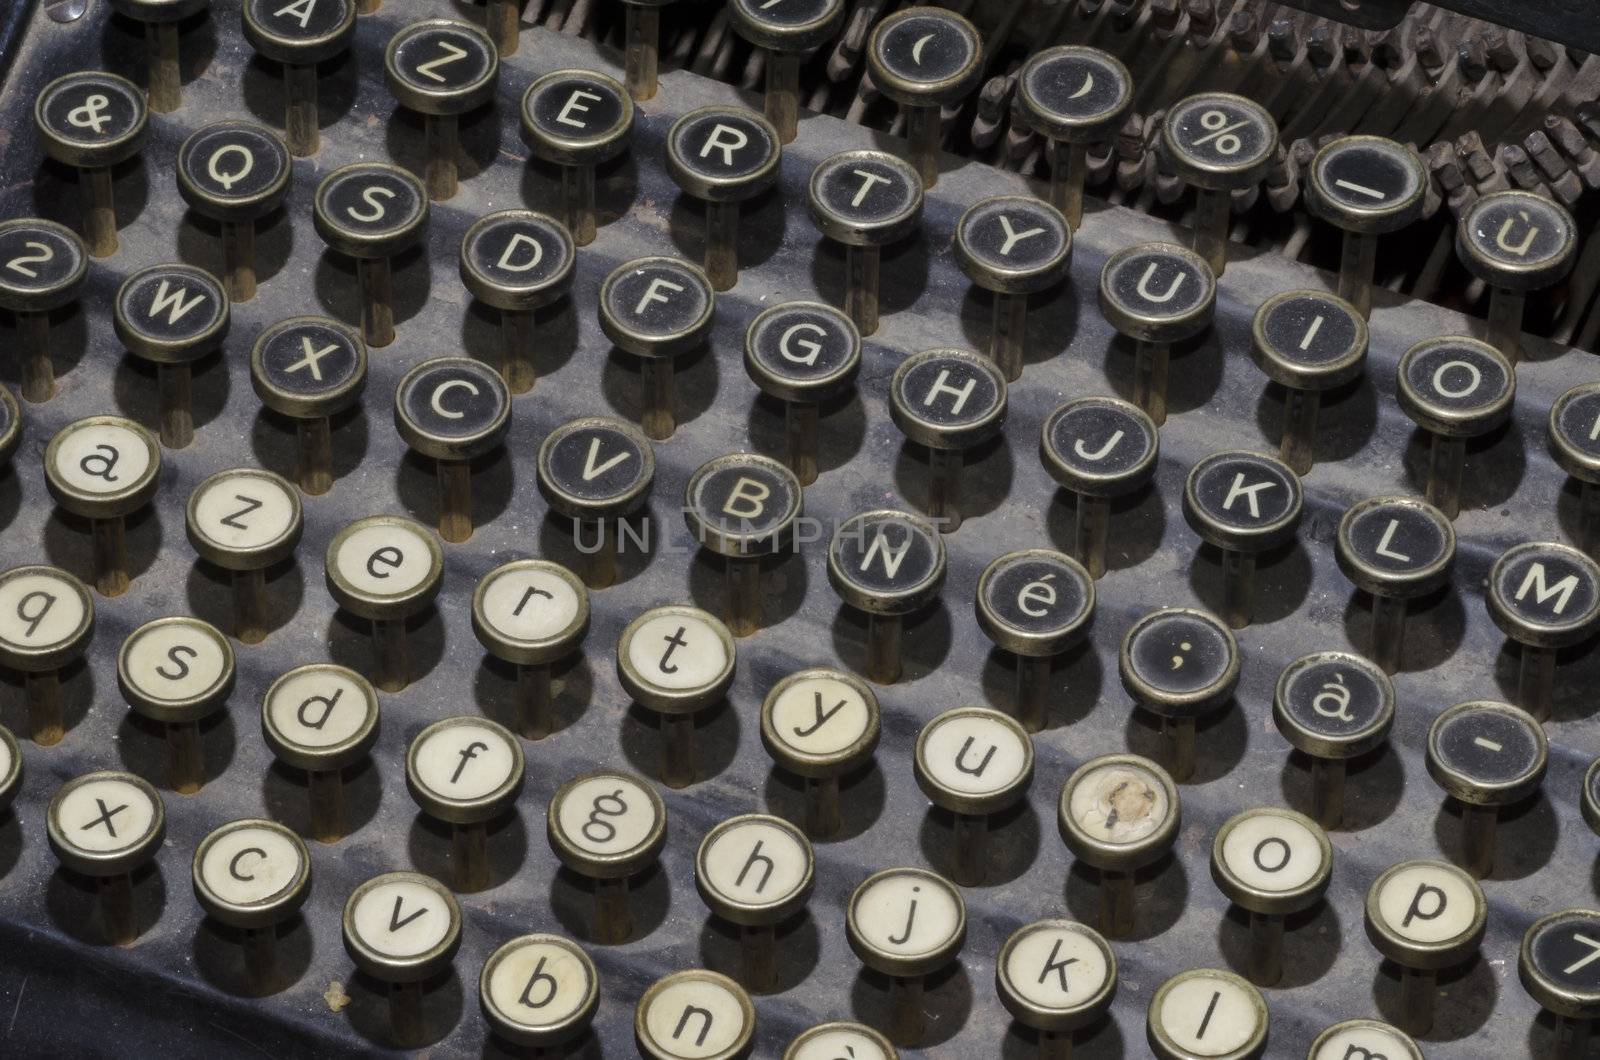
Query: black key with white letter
[[1013, 246], [92, 121], [235, 173], [1396, 549], [723, 156], [577, 119], [42, 266], [1034, 604], [596, 471], [1098, 449], [1073, 96], [1368, 186], [517, 261], [657, 309], [1180, 664], [948, 401], [1219, 143], [1308, 342], [1332, 706], [299, 36], [454, 410], [1245, 504], [743, 507], [1557, 966], [441, 69], [887, 564], [1545, 597], [803, 354], [1485, 755], [371, 211], [1455, 389], [925, 59], [310, 369], [172, 315], [1574, 429], [864, 200], [1156, 294], [1516, 242], [786, 32]]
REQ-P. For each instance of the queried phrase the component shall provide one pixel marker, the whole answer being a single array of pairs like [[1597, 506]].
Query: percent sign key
[[1219, 141]]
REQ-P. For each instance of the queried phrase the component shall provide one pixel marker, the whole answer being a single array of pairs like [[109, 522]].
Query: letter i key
[[46, 621]]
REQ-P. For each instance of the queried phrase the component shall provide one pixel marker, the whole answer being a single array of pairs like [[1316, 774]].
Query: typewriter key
[[531, 613], [906, 924], [1544, 596], [244, 521], [1516, 242], [577, 119], [252, 876], [1396, 549], [403, 928], [1352, 1039], [820, 724], [1425, 916], [755, 872], [92, 121], [948, 401], [1055, 976], [1073, 96], [723, 156], [803, 354], [596, 470], [831, 1041], [385, 568], [1554, 967], [1589, 802], [925, 59], [1179, 664], [1156, 294], [323, 719], [1206, 1012], [1244, 504], [887, 564], [1455, 389], [657, 309], [694, 1015], [1332, 706], [235, 173], [1271, 862], [310, 369], [786, 33], [1099, 449], [164, 83], [1368, 186], [676, 661], [441, 69], [642, 55], [108, 825], [1034, 604], [453, 409], [1013, 246], [517, 261], [177, 671], [371, 211], [1576, 445], [864, 200], [10, 769], [1220, 143], [1485, 755], [299, 37], [103, 469], [539, 992], [975, 763], [465, 771], [1308, 342], [46, 621], [42, 266], [172, 315], [607, 827], [1117, 814], [743, 507]]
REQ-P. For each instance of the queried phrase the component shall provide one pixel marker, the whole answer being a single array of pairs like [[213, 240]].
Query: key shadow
[[716, 740], [338, 86], [136, 392], [1011, 846], [218, 954], [1220, 742], [784, 580], [556, 542], [1436, 625], [56, 197], [1283, 580], [349, 640], [555, 338], [797, 946], [1577, 670], [72, 902], [209, 591], [199, 243], [1524, 839], [862, 796], [1101, 1040], [986, 476], [122, 48], [68, 543], [902, 270], [924, 641], [1465, 1001], [479, 136], [416, 483], [695, 378], [69, 341], [1194, 373], [1374, 784], [339, 294], [1495, 463], [762, 224], [429, 841], [286, 793], [946, 1003], [1161, 892], [841, 430], [11, 492], [1310, 943], [275, 444], [1052, 321], [142, 748], [616, 186], [10, 841], [1346, 422], [1138, 526], [494, 689], [572, 902], [1076, 679], [442, 1004]]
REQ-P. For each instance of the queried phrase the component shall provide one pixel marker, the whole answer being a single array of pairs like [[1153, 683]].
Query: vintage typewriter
[[820, 529]]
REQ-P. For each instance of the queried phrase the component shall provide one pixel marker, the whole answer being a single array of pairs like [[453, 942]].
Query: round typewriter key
[[1353, 1039], [1034, 604], [1013, 246], [743, 507], [177, 671], [887, 564], [103, 469], [108, 825], [164, 84], [403, 928], [831, 1041], [577, 119], [723, 156], [371, 211], [42, 266], [608, 827], [948, 401], [1308, 342], [755, 871], [657, 309], [1244, 504], [1332, 706], [1219, 143], [694, 1015], [539, 992], [1516, 242], [1180, 664], [973, 762], [1425, 916], [453, 409], [92, 121], [906, 924], [517, 261], [1156, 294], [641, 59], [531, 613], [441, 69], [786, 32], [1485, 755], [925, 58], [1396, 549], [1575, 441], [1207, 1013], [46, 620], [1271, 862], [803, 354], [1055, 976], [1455, 389], [820, 724], [676, 661], [1554, 967], [235, 173], [465, 771], [1117, 814], [310, 369], [321, 718], [864, 200], [1099, 449], [1589, 802], [596, 470], [385, 568], [253, 875], [244, 521], [1073, 96], [299, 37], [172, 315], [10, 769], [1368, 186], [1544, 596]]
